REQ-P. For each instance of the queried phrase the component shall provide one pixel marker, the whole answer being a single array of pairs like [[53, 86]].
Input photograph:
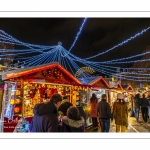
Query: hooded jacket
[[73, 125], [45, 118]]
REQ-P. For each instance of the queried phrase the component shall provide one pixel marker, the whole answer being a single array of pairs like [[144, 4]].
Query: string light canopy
[[33, 55]]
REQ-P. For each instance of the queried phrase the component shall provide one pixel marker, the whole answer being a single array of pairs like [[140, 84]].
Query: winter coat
[[45, 118], [82, 112], [93, 109], [104, 110], [70, 125], [120, 112], [144, 102], [63, 107]]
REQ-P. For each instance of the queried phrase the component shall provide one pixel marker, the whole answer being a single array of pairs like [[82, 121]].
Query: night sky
[[98, 34]]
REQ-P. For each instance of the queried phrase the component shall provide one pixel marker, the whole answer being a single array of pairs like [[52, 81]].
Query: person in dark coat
[[144, 108], [45, 117], [104, 113], [73, 122], [65, 105]]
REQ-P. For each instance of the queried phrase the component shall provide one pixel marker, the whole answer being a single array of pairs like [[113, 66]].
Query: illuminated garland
[[120, 44], [54, 52], [76, 37]]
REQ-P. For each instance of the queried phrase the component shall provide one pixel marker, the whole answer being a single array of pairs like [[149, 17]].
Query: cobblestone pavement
[[134, 127]]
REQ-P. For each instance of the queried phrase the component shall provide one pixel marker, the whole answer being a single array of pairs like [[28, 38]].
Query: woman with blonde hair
[[120, 112]]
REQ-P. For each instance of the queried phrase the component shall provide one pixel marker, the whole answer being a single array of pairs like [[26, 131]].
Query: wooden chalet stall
[[127, 88], [128, 94], [97, 85], [24, 88], [115, 88]]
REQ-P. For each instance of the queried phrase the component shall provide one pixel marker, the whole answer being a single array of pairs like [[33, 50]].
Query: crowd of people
[[59, 115], [105, 115], [48, 119], [141, 102]]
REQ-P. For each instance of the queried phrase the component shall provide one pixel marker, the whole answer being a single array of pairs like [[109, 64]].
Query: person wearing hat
[[120, 113]]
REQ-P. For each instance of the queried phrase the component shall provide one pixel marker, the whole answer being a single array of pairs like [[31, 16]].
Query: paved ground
[[134, 127]]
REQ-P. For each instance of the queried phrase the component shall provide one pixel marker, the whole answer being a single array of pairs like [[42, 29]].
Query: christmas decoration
[[57, 73], [22, 126], [47, 73]]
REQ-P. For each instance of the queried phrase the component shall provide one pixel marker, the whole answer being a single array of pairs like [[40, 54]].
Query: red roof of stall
[[26, 71]]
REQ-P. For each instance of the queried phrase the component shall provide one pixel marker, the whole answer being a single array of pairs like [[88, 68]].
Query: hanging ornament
[[47, 73], [57, 73]]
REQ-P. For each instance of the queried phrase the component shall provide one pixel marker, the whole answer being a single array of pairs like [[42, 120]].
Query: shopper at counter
[[65, 105], [45, 115], [73, 122]]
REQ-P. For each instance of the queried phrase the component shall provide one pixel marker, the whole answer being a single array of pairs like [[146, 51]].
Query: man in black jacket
[[104, 113], [45, 115], [65, 105], [144, 108]]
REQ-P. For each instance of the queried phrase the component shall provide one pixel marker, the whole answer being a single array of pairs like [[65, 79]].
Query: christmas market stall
[[26, 87], [127, 88], [99, 86], [115, 88], [128, 95]]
